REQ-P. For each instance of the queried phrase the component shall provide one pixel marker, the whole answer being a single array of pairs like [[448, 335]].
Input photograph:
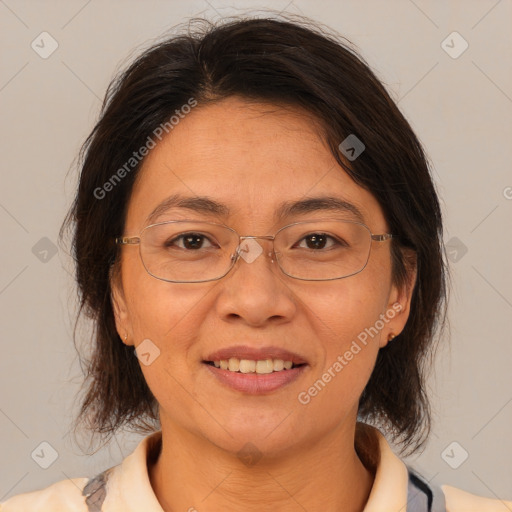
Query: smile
[[254, 377], [260, 367]]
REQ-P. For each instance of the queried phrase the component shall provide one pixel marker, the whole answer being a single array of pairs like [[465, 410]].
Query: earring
[[391, 336], [126, 337]]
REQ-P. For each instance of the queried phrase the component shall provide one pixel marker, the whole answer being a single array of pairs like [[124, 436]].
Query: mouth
[[257, 378], [261, 366], [262, 360], [255, 371]]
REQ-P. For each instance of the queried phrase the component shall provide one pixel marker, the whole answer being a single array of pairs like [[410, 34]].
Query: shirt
[[127, 488]]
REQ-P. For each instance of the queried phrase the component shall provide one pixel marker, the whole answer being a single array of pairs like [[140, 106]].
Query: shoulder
[[64, 495], [72, 495], [424, 496], [123, 487], [458, 500], [398, 487]]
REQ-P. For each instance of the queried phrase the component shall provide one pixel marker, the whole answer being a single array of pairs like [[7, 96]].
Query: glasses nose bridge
[[266, 237], [253, 237]]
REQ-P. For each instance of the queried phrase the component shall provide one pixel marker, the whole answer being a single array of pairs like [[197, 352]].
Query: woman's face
[[252, 158]]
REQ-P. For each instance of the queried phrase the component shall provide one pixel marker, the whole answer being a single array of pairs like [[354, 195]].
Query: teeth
[[233, 364], [266, 366], [249, 366], [278, 365]]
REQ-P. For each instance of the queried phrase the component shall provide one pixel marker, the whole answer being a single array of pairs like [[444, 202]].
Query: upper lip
[[255, 354]]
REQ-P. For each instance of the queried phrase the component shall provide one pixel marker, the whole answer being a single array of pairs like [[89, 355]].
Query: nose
[[254, 290]]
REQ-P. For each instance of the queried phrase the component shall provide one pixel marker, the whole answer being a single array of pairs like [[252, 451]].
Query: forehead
[[251, 157]]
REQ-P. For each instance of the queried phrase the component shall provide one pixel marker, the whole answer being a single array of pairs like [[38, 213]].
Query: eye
[[316, 241], [189, 241]]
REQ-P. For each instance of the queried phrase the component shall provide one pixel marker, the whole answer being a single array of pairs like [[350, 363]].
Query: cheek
[[162, 311], [348, 325], [349, 350], [170, 316], [348, 307]]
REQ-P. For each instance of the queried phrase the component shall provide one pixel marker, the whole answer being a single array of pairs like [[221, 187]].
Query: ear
[[399, 302], [117, 298]]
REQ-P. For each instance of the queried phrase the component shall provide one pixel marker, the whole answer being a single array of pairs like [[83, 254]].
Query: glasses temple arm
[[128, 240], [382, 238]]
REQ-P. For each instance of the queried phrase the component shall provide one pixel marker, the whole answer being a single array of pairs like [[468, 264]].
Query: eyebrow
[[208, 206]]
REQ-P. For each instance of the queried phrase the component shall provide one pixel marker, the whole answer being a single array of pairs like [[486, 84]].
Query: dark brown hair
[[281, 61]]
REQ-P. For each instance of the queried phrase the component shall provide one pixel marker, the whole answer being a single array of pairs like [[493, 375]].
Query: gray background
[[460, 108]]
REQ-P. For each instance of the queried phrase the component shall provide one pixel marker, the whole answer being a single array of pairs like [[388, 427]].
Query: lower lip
[[254, 383]]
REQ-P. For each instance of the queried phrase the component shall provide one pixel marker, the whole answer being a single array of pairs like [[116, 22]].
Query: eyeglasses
[[189, 251]]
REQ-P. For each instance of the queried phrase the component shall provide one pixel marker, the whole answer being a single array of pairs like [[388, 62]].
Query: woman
[[259, 243]]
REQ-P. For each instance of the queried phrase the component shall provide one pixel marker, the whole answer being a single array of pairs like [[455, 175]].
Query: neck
[[191, 473]]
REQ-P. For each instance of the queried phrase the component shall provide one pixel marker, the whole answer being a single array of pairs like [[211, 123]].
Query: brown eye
[[318, 241], [189, 241]]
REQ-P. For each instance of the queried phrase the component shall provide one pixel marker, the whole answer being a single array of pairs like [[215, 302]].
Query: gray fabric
[[95, 491], [422, 496], [417, 500], [439, 503]]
